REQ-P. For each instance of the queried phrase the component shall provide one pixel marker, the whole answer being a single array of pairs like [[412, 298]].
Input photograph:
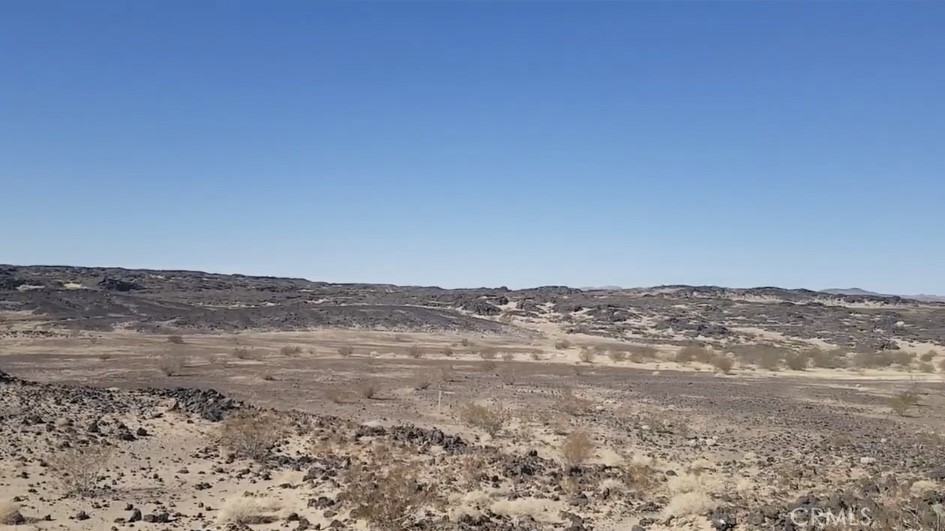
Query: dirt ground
[[672, 446]]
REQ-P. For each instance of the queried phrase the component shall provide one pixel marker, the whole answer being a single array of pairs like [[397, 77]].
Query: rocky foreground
[[76, 457]]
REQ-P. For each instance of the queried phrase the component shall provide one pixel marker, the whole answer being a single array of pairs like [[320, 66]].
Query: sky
[[479, 143]]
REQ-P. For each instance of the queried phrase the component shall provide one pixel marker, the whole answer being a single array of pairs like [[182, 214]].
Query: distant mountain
[[866, 293]]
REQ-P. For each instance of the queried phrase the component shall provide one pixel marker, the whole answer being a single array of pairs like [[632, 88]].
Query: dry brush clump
[[387, 500], [415, 352], [80, 468], [617, 355], [691, 353], [490, 419], [571, 404], [767, 357], [576, 449], [176, 340], [345, 351], [249, 510], [244, 353], [797, 361], [488, 353], [902, 402], [290, 350], [587, 355], [835, 358], [368, 389], [562, 344], [172, 363], [252, 434], [723, 363], [642, 353]]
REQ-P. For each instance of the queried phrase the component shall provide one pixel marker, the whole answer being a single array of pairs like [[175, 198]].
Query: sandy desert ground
[[528, 425]]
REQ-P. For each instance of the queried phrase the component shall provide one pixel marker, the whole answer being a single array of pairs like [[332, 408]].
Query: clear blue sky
[[799, 144]]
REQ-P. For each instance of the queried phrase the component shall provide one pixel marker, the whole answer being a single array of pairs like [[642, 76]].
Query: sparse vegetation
[[290, 350], [80, 468], [642, 353], [617, 356], [448, 351], [386, 501], [691, 353], [415, 352], [423, 380], [251, 434], [902, 402], [587, 355], [345, 351], [249, 510], [568, 402], [767, 357], [490, 419], [488, 353], [508, 356], [828, 359], [171, 364], [723, 363], [928, 356], [508, 375], [576, 449], [873, 360], [244, 353], [367, 389], [562, 344], [536, 356], [176, 340], [797, 361]]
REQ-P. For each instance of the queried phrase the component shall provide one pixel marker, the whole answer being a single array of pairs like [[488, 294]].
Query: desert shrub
[[941, 364], [367, 389], [576, 449], [643, 353], [423, 380], [251, 434], [345, 351], [415, 352], [447, 374], [171, 364], [536, 356], [249, 510], [723, 363], [926, 367], [488, 353], [387, 502], [587, 355], [562, 344], [692, 353], [105, 356], [290, 350], [448, 351], [835, 358], [903, 401], [797, 361], [10, 514], [508, 356], [617, 355], [466, 342], [488, 419], [902, 358], [80, 468], [639, 476], [244, 353], [176, 340], [336, 395], [571, 404], [489, 366], [873, 360], [928, 356], [768, 357], [506, 318]]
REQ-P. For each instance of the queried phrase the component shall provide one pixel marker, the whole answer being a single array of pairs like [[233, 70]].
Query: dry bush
[[828, 359], [797, 361], [617, 356], [562, 344], [10, 514], [926, 367], [251, 434], [490, 419], [423, 380], [928, 356], [903, 401], [249, 510], [768, 357], [488, 353], [448, 351], [873, 360], [692, 353], [587, 355], [387, 502], [568, 402], [367, 389], [723, 363], [639, 476], [903, 358], [177, 340], [290, 350], [489, 366], [508, 356], [345, 351], [336, 395], [243, 353], [80, 468], [466, 342], [576, 449], [941, 365], [506, 318], [105, 356], [171, 364], [415, 352]]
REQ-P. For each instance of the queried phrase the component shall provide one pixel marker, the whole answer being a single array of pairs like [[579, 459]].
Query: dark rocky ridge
[[94, 298]]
